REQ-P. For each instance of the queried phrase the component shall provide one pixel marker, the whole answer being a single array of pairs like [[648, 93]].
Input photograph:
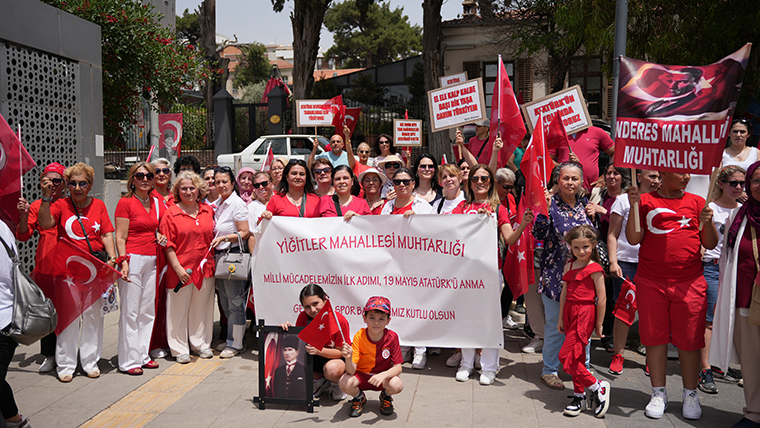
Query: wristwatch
[[47, 199]]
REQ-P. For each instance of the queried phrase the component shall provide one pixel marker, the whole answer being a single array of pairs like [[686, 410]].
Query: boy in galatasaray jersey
[[373, 361]]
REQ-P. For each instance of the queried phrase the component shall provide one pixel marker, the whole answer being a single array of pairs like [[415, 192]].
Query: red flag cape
[[556, 136], [321, 328], [625, 307], [14, 162], [536, 166], [267, 165], [518, 263], [73, 279], [271, 84], [339, 112], [352, 118], [505, 116]]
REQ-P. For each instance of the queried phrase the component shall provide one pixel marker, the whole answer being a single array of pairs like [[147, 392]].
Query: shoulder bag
[[234, 266], [101, 255], [34, 315]]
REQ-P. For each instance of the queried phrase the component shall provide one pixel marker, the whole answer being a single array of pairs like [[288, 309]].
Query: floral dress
[[552, 230]]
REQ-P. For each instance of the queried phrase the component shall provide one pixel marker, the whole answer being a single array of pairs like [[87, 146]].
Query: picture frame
[[276, 386]]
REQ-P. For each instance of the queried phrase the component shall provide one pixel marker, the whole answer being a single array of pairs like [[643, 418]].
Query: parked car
[[288, 146]]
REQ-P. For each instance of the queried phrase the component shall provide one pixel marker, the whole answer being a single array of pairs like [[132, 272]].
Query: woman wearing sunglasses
[[83, 221], [295, 195], [405, 202], [29, 223], [138, 215], [383, 148], [163, 180], [263, 188], [322, 170], [372, 182], [425, 171], [359, 165], [345, 202], [482, 198]]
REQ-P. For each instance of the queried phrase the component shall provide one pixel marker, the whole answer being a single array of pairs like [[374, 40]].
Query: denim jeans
[[7, 403], [233, 295], [712, 277], [553, 339]]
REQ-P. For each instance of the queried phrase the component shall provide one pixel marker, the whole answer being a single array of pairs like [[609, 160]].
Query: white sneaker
[[320, 385], [463, 374], [48, 365], [487, 377], [336, 393], [454, 360], [658, 404], [419, 361], [158, 353], [535, 345], [221, 346], [229, 353], [476, 363], [508, 323], [691, 407]]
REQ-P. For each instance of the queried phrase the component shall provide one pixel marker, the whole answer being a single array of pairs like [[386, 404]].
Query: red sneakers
[[616, 367]]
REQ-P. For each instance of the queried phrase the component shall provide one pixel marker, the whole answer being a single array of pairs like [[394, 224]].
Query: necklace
[[145, 201]]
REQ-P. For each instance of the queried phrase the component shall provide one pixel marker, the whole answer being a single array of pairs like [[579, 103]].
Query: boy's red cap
[[378, 303]]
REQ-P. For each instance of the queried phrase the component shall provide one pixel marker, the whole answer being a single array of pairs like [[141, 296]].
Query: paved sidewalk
[[218, 393]]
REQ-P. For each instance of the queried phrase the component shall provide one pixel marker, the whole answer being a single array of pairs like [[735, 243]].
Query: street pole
[[621, 30]]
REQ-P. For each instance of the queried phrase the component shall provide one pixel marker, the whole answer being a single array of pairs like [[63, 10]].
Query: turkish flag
[[73, 279], [273, 352], [14, 163], [352, 118], [556, 136], [625, 307], [536, 166], [267, 165], [518, 263], [505, 116], [170, 134], [321, 328], [338, 110]]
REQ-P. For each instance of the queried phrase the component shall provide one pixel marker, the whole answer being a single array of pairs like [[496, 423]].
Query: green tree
[[324, 89], [254, 67], [416, 82], [379, 36], [141, 59], [365, 90], [188, 27]]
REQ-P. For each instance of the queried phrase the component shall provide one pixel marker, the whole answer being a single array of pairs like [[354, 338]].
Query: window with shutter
[[525, 78], [609, 102], [472, 68]]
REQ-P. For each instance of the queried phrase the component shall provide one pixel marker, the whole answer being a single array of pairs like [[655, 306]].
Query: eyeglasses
[[220, 169], [381, 142], [165, 171], [507, 187], [322, 171], [335, 142], [143, 176], [81, 184], [262, 184], [186, 168], [56, 181], [394, 165], [363, 152], [481, 178], [400, 181], [734, 183], [426, 166]]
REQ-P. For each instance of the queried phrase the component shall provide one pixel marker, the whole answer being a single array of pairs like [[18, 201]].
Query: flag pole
[[20, 162], [337, 322], [635, 207], [713, 179]]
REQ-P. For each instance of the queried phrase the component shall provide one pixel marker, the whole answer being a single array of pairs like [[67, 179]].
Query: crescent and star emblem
[[633, 298], [178, 132], [84, 262], [69, 222], [650, 218], [3, 158]]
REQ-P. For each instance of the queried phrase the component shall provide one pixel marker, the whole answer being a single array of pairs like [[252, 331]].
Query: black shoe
[[576, 406], [386, 404], [706, 382], [601, 399], [357, 405], [528, 331], [746, 423]]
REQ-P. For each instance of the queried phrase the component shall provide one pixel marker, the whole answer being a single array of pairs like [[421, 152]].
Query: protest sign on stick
[[314, 113], [456, 105], [407, 132], [568, 103], [453, 79]]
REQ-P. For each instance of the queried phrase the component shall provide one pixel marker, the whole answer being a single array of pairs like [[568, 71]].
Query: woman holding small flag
[[189, 229], [328, 363]]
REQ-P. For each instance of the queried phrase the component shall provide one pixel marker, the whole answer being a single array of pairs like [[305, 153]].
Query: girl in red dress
[[581, 310]]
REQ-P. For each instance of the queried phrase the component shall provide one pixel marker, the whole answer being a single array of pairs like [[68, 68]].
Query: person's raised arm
[[630, 228], [493, 163], [464, 151], [45, 219], [23, 231], [349, 149], [513, 235], [313, 153]]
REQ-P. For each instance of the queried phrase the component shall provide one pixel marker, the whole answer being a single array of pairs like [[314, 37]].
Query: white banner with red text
[[439, 272], [676, 118]]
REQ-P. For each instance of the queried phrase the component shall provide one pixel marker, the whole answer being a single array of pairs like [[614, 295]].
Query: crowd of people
[[693, 266]]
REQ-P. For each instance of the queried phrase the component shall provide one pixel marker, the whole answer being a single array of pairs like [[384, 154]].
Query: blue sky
[[255, 21]]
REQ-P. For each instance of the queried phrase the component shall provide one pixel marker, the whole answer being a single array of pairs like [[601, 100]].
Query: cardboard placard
[[569, 102], [456, 105], [453, 79], [407, 132], [313, 113]]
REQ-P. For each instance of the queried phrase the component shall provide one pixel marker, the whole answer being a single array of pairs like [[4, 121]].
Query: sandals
[[135, 371], [152, 364], [553, 381], [65, 378]]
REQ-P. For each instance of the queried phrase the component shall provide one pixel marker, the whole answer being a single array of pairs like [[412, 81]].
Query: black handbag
[[101, 255], [34, 315]]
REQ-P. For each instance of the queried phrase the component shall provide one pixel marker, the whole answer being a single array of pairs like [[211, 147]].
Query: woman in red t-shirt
[[295, 195], [346, 196], [482, 198], [83, 221], [137, 219], [189, 229], [372, 182]]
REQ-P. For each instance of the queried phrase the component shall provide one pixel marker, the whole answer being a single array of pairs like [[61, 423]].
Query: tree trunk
[[432, 57], [207, 22], [306, 18]]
